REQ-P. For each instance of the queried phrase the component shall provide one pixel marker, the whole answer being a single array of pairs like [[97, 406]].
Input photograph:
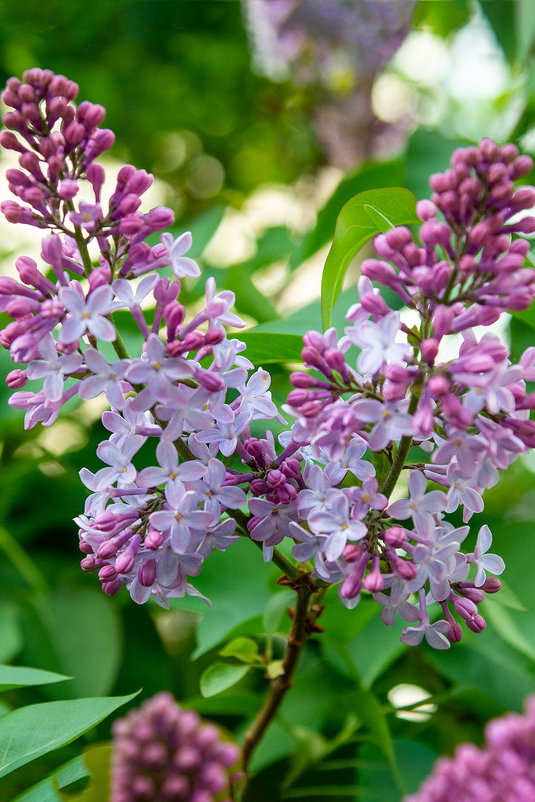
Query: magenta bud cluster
[[163, 753], [502, 770]]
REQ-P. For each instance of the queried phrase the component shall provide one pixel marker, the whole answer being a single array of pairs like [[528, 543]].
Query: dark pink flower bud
[[311, 356], [455, 632], [147, 573], [153, 539], [88, 564], [107, 573], [160, 217], [522, 166], [16, 379], [74, 133], [477, 623], [438, 386], [429, 349], [212, 382], [426, 210], [91, 114], [442, 320], [302, 380], [491, 585]]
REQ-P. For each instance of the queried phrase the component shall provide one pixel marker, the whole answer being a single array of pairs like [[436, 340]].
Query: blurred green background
[[257, 160]]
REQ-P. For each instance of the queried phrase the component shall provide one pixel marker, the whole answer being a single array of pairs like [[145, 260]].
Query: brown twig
[[302, 625]]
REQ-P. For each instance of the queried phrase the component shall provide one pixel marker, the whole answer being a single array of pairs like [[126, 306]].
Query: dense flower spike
[[501, 771], [184, 405], [164, 753]]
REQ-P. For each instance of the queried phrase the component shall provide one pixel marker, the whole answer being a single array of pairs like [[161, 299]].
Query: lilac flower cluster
[[469, 414], [184, 406], [162, 752], [334, 49], [147, 529], [503, 770]]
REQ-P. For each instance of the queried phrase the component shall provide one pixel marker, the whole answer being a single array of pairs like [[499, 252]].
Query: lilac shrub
[[163, 752], [186, 403], [503, 770]]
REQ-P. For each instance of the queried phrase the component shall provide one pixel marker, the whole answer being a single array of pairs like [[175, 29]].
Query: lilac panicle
[[500, 771], [163, 753], [184, 405]]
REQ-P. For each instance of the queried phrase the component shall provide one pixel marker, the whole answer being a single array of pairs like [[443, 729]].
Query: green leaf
[[370, 174], [220, 676], [525, 28], [442, 18], [45, 791], [365, 215], [368, 710], [243, 649], [98, 763], [488, 663], [375, 648], [33, 731], [20, 676], [382, 466], [427, 152], [275, 609], [504, 622], [234, 602], [267, 347], [10, 632], [93, 660]]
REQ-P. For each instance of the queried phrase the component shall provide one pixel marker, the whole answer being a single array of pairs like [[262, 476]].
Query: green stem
[[82, 247], [22, 562], [401, 455], [118, 344]]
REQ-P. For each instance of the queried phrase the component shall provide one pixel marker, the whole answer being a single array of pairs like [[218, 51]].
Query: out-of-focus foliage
[[176, 79]]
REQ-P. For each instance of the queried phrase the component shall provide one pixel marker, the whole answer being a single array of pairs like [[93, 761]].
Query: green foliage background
[[164, 69]]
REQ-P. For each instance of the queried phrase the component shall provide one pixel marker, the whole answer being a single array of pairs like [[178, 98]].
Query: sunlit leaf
[[367, 214], [267, 347]]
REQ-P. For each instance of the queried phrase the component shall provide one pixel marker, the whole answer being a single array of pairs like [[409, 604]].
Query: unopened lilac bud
[[335, 360], [429, 349], [395, 537], [107, 573], [160, 217], [426, 210], [315, 340], [524, 198], [16, 379], [311, 356], [112, 588], [99, 277], [125, 562], [212, 382], [522, 166], [74, 133], [491, 585], [153, 539], [147, 573], [303, 380], [88, 564], [455, 632], [477, 623]]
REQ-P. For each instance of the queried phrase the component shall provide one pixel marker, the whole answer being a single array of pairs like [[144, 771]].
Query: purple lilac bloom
[[500, 771], [190, 401], [163, 752]]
